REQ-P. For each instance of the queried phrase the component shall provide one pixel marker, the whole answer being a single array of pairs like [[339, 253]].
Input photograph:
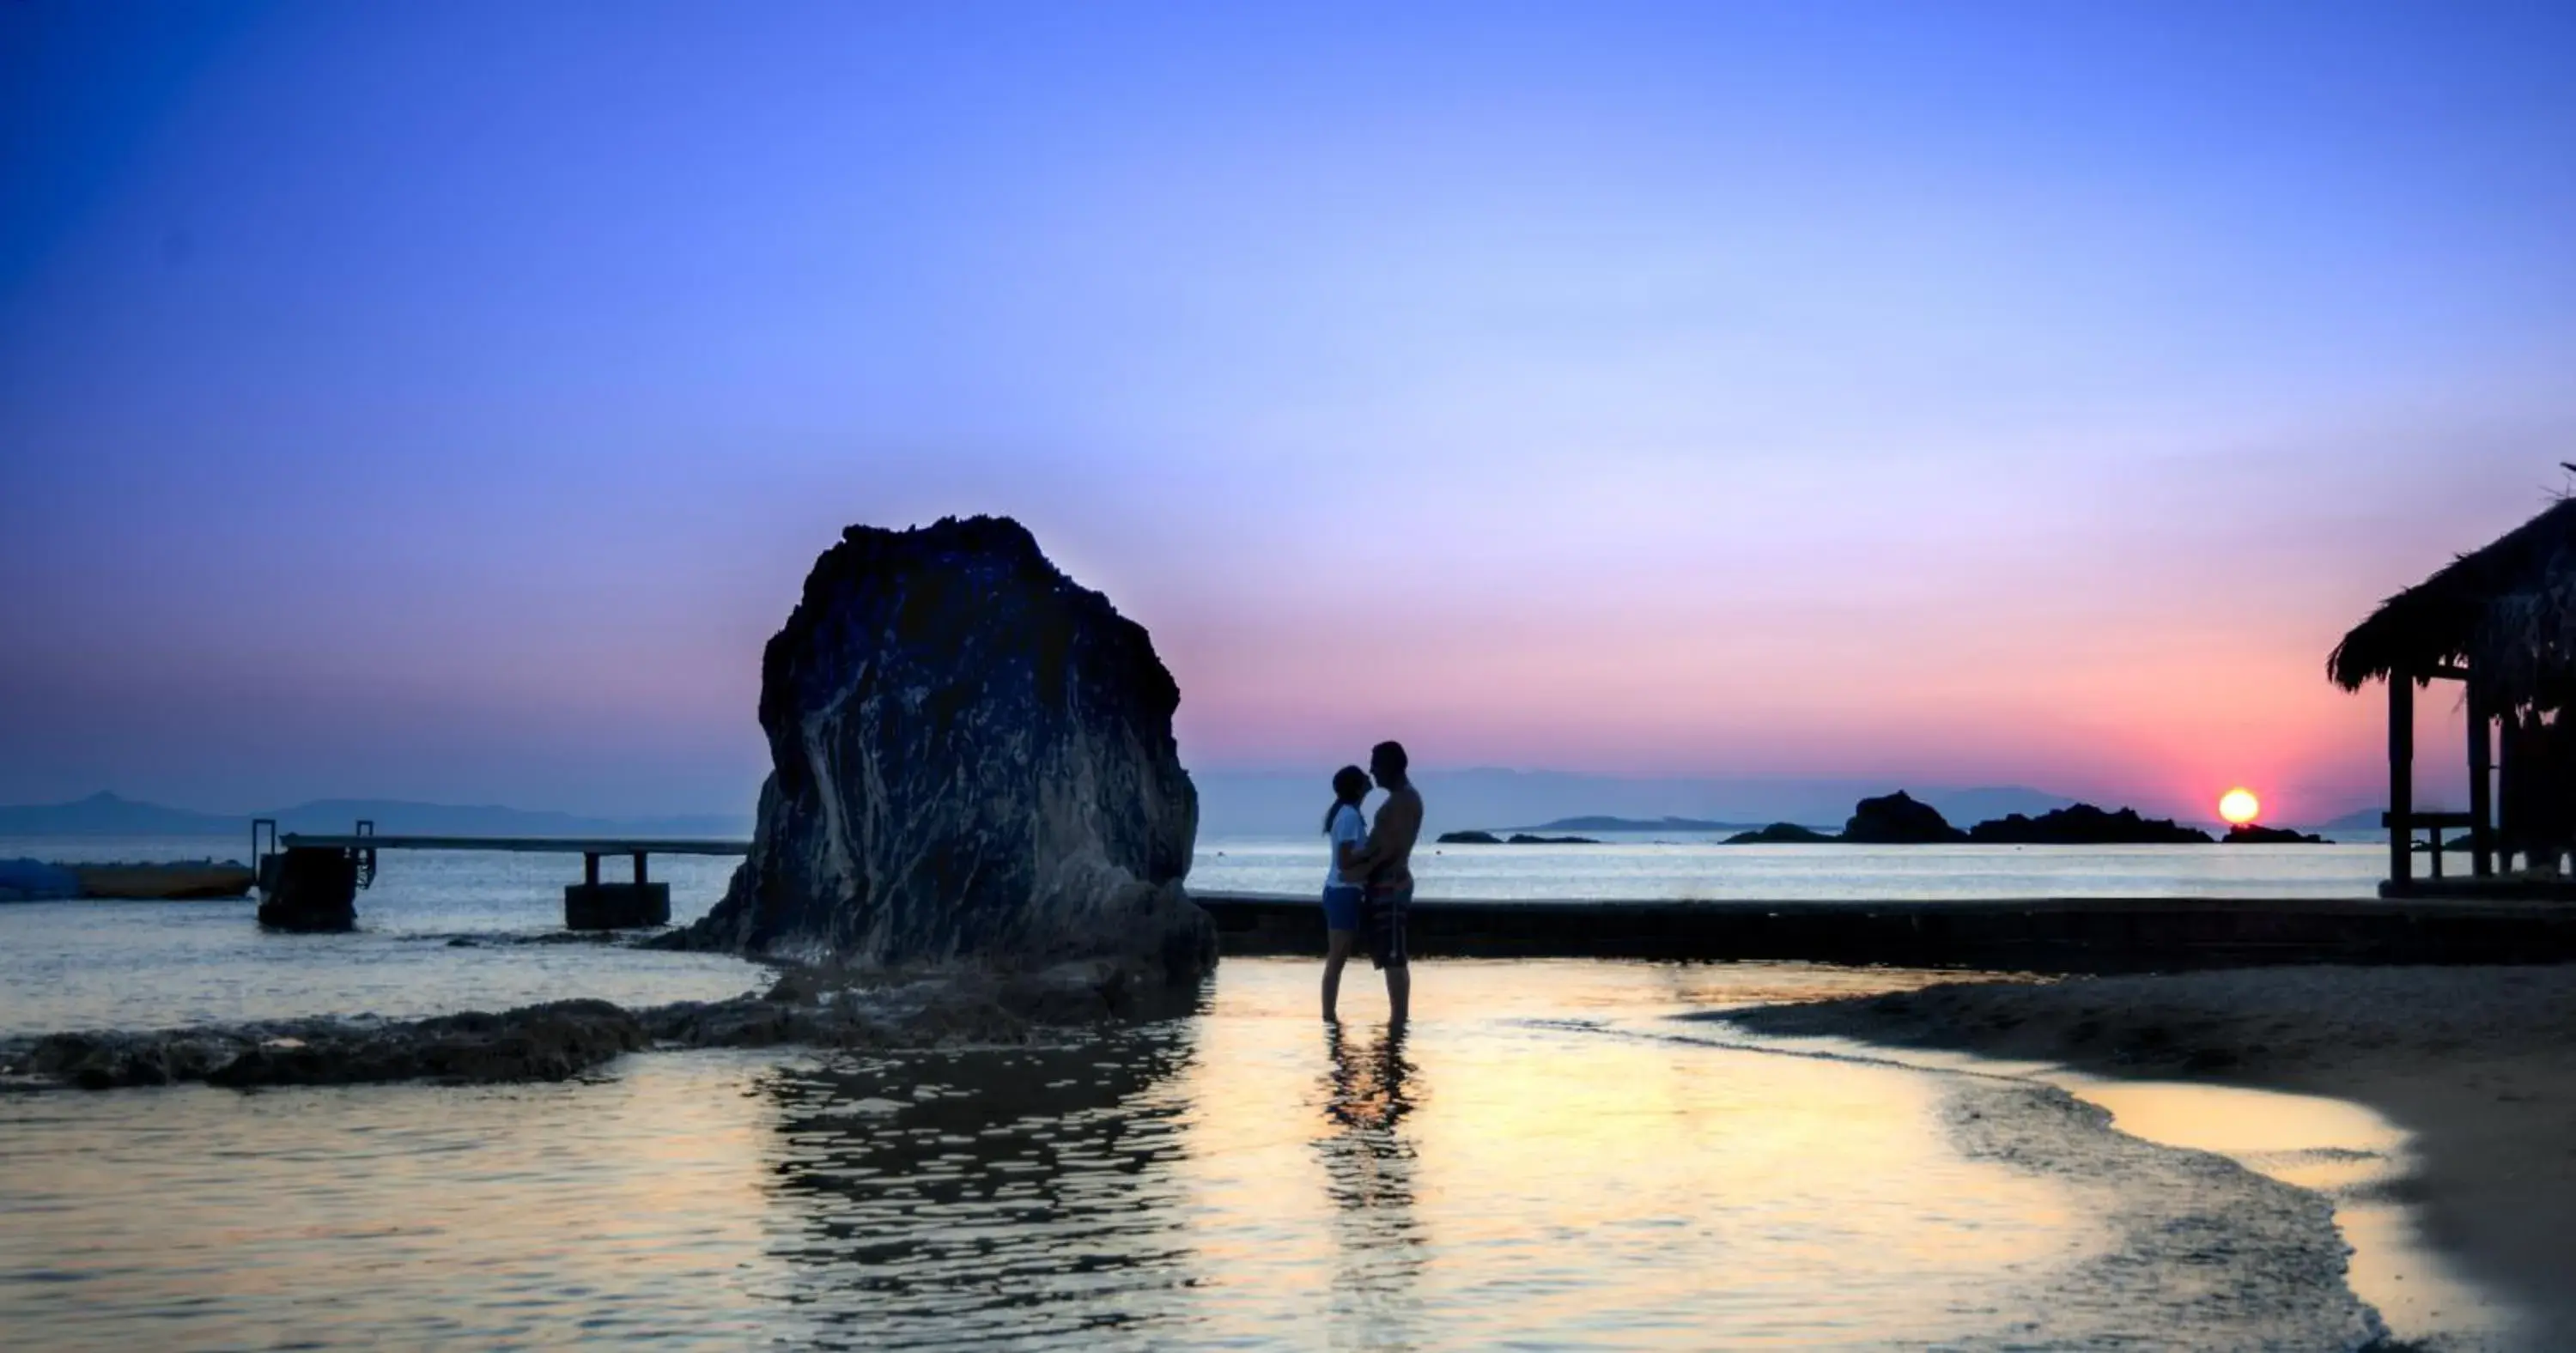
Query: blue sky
[[445, 401]]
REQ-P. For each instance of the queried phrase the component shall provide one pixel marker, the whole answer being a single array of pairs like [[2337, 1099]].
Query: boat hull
[[163, 882]]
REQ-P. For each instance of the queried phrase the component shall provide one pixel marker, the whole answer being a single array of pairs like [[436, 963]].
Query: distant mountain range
[[1639, 824], [110, 815], [1273, 803]]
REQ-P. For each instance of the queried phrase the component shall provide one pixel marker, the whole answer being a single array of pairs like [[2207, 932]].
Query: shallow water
[[1543, 1161]]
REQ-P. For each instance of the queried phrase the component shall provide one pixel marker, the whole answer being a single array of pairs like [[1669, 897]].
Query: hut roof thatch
[[2508, 611]]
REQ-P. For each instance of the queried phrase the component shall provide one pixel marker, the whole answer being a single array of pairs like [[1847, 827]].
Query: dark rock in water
[[1780, 834], [2247, 834], [1899, 819], [2085, 825], [1525, 839], [1470, 839], [873, 1008], [538, 1042], [312, 889], [971, 759]]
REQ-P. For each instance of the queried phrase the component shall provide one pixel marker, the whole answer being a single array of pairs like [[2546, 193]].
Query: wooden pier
[[310, 881]]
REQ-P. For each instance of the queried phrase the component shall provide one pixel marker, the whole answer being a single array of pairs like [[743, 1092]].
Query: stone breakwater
[[559, 1040], [971, 761]]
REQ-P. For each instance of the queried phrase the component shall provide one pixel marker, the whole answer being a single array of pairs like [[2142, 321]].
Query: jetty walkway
[[310, 880]]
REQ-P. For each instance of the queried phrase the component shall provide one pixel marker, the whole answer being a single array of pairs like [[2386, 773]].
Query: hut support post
[[2481, 786], [2401, 778]]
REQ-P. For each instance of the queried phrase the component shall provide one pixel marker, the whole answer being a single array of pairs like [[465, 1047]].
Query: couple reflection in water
[[1367, 1090]]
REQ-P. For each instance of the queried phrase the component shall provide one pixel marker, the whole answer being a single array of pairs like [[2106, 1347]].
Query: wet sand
[[2478, 1064]]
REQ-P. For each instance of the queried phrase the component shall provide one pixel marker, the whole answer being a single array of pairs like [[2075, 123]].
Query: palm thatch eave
[[2509, 600]]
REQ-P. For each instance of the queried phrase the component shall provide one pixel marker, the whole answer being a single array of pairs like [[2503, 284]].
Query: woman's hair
[[1350, 785]]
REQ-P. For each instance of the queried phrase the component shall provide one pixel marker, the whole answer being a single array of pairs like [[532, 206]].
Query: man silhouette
[[1384, 865]]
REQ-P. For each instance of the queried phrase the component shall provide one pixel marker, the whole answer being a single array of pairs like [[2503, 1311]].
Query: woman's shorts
[[1341, 907]]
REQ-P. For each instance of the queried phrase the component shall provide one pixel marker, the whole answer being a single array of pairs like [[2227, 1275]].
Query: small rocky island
[[1900, 819], [2085, 825], [2248, 834], [1782, 834], [1476, 838]]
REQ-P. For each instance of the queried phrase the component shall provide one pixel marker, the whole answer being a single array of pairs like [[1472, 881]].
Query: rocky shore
[[832, 1009], [2477, 1064]]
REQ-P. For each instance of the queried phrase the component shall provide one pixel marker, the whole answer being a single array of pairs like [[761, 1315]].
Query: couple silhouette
[[1368, 890]]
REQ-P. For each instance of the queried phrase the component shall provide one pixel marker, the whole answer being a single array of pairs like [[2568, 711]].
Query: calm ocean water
[[1698, 868], [1549, 1159]]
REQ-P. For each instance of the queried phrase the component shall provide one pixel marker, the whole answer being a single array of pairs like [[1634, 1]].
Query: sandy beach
[[2476, 1063]]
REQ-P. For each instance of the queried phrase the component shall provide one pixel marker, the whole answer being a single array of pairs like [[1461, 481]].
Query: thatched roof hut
[[2502, 621], [2506, 612]]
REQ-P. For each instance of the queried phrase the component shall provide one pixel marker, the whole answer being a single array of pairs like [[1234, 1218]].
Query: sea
[[1551, 1156]]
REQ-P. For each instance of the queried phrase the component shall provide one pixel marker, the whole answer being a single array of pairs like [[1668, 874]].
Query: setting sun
[[2239, 806]]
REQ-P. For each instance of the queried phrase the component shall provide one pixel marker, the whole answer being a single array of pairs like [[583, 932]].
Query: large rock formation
[[1899, 819], [971, 759]]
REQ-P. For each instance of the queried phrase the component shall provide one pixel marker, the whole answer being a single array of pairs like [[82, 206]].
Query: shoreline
[[2474, 1064]]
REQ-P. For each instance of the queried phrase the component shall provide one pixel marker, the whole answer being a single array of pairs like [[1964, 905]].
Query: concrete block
[[309, 888], [616, 906]]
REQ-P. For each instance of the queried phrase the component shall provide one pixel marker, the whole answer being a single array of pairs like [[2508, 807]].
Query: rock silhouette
[[1899, 819], [1780, 834], [2248, 834], [2085, 825], [971, 760]]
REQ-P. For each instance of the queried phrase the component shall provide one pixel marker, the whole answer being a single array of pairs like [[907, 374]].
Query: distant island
[[1639, 824], [2247, 834], [2086, 825], [1900, 819], [1780, 834], [111, 815]]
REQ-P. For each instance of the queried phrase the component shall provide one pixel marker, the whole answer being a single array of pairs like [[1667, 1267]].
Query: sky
[[447, 401]]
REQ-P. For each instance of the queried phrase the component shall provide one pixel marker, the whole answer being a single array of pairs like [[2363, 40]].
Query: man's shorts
[[1341, 907], [1383, 918]]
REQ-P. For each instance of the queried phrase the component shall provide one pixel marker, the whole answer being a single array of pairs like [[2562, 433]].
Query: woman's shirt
[[1348, 829]]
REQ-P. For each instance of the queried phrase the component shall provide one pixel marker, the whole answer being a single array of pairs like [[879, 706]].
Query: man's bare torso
[[1391, 838]]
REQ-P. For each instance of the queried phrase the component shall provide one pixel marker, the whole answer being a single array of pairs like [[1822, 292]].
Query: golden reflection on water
[[1498, 1174], [1533, 1161], [2334, 1147]]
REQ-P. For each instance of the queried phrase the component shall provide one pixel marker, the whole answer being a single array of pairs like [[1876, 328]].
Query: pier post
[[2401, 779], [2481, 784], [593, 905], [312, 888]]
